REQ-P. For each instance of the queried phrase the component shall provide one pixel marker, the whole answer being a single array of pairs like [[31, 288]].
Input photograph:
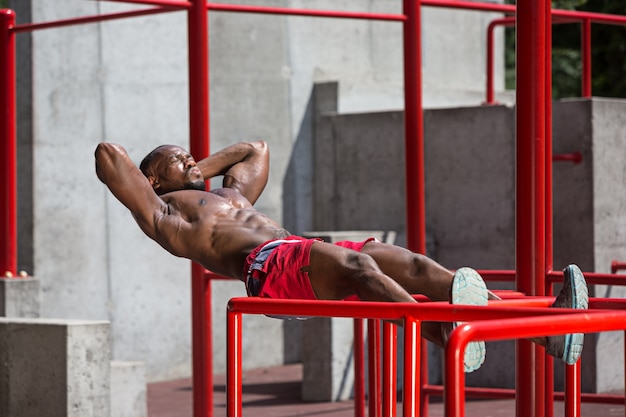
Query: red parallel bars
[[521, 328], [412, 313], [8, 139]]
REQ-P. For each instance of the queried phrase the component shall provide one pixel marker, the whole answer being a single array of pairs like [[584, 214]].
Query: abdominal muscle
[[233, 236], [222, 228]]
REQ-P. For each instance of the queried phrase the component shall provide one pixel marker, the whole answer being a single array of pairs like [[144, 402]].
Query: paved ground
[[275, 392]]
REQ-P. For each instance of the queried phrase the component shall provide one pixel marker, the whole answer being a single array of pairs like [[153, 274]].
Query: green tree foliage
[[608, 43]]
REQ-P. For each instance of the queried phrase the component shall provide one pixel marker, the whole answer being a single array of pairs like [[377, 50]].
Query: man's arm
[[245, 167], [115, 169]]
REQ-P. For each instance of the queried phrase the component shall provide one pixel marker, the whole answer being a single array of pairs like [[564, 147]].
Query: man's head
[[171, 168]]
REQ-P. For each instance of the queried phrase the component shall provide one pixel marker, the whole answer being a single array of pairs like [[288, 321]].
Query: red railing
[[533, 201], [382, 403], [559, 17], [526, 327]]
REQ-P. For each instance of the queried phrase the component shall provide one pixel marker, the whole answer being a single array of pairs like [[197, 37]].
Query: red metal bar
[[359, 374], [505, 21], [514, 328], [373, 361], [574, 157], [8, 147], [168, 3], [29, 27], [530, 190], [617, 266], [198, 56], [233, 370], [506, 393], [303, 12], [412, 337], [414, 129], [469, 5], [545, 372], [607, 19], [389, 385], [202, 342], [572, 390], [585, 41]]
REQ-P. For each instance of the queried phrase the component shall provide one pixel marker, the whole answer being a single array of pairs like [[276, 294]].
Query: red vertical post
[[414, 129], [233, 363], [414, 148], [359, 372], [8, 146], [410, 401], [390, 334], [490, 95], [373, 354], [585, 34], [198, 51], [530, 189], [202, 346], [572, 390], [543, 361]]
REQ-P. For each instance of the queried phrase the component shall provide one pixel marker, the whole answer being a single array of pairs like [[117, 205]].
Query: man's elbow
[[260, 147]]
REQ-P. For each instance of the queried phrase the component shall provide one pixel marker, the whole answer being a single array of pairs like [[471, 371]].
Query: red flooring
[[275, 392]]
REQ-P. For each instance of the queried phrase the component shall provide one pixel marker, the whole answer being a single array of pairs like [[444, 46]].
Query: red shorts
[[273, 269]]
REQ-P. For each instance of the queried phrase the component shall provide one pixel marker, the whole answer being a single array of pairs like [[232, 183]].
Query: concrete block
[[128, 389], [54, 368], [20, 297]]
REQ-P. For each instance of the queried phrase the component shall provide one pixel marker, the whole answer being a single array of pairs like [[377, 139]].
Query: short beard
[[197, 185]]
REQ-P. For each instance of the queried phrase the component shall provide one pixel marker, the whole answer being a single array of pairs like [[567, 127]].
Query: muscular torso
[[217, 229]]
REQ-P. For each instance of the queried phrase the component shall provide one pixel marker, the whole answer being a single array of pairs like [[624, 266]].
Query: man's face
[[175, 169]]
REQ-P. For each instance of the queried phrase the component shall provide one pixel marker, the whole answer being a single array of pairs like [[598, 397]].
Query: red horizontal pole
[[609, 19], [511, 9], [575, 157], [221, 7], [168, 3], [433, 311], [28, 27], [509, 393], [617, 266], [468, 5]]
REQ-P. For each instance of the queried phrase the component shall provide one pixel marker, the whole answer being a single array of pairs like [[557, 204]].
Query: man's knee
[[360, 262]]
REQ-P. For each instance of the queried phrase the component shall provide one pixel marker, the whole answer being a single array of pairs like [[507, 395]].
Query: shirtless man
[[220, 230]]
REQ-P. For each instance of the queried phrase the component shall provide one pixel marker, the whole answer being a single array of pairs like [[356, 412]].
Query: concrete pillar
[[20, 297], [54, 368], [327, 354]]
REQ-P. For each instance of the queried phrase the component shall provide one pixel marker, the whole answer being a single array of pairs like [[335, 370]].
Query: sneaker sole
[[574, 342], [468, 288]]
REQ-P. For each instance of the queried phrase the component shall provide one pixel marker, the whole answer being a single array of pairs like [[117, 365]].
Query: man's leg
[[337, 272]]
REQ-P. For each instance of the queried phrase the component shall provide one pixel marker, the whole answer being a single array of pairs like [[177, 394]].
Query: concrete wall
[[126, 81]]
